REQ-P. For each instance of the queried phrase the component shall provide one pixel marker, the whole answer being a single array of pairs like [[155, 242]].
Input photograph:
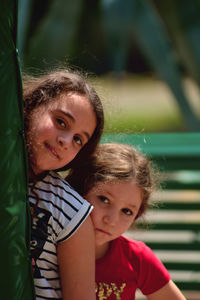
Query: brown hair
[[43, 89], [114, 162]]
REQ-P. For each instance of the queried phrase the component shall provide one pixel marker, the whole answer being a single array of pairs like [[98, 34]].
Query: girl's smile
[[52, 150], [59, 131]]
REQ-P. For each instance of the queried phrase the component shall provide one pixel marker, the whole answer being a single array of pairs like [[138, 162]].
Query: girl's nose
[[63, 141], [110, 218]]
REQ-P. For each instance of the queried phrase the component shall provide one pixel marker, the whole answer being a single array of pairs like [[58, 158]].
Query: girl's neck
[[100, 251]]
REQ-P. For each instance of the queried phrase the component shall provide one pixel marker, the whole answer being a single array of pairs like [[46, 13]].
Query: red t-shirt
[[128, 265]]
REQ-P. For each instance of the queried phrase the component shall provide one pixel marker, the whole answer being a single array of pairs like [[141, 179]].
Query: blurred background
[[142, 56]]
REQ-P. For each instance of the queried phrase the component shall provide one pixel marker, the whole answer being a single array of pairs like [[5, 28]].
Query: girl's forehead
[[115, 185], [59, 100], [74, 100], [64, 102]]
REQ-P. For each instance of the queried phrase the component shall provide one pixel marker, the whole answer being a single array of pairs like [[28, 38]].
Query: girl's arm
[[168, 292], [76, 260]]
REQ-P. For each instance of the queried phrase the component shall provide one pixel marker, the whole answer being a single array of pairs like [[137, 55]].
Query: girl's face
[[58, 131], [116, 205]]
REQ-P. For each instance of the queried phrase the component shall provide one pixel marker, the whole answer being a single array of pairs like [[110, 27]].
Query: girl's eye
[[127, 211], [103, 199], [78, 141], [61, 122]]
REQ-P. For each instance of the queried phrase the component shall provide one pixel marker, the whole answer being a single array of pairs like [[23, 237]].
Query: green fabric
[[16, 277]]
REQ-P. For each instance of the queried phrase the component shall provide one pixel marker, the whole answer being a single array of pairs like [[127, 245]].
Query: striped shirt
[[57, 214]]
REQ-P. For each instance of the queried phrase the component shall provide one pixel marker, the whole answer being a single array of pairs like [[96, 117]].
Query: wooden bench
[[173, 229]]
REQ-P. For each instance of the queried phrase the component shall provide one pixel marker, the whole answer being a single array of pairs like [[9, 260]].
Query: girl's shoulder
[[139, 259], [130, 243], [58, 192], [57, 185], [141, 253], [134, 247], [65, 207], [54, 179]]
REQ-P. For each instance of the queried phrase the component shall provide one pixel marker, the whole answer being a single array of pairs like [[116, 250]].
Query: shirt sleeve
[[67, 208], [153, 275], [73, 225]]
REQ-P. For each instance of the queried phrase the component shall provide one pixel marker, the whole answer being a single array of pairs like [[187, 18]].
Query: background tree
[[102, 35]]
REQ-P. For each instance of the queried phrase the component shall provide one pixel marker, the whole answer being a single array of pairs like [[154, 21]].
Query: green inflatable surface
[[15, 265]]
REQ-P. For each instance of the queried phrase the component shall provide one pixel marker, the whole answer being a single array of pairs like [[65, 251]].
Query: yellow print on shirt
[[104, 290]]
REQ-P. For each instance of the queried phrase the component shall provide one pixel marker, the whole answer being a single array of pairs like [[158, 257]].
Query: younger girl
[[117, 181], [63, 124]]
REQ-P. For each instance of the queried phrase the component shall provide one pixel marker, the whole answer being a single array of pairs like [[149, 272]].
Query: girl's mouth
[[105, 232], [52, 150]]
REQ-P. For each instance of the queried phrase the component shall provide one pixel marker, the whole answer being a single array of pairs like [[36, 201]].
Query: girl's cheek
[[93, 216], [128, 224], [96, 215]]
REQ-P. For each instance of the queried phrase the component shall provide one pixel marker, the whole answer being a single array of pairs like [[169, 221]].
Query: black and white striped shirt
[[57, 214]]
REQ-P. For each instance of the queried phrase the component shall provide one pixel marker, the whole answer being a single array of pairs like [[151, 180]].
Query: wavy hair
[[115, 162]]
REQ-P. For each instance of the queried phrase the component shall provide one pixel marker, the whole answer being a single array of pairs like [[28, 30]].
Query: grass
[[142, 104], [127, 121]]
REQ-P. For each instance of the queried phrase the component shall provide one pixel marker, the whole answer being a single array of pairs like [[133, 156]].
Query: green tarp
[[15, 266]]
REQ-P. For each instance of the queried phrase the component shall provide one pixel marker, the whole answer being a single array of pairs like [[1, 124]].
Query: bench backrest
[[173, 230]]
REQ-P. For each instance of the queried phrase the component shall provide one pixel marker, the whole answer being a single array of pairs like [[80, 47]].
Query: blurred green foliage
[[183, 24], [116, 35]]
